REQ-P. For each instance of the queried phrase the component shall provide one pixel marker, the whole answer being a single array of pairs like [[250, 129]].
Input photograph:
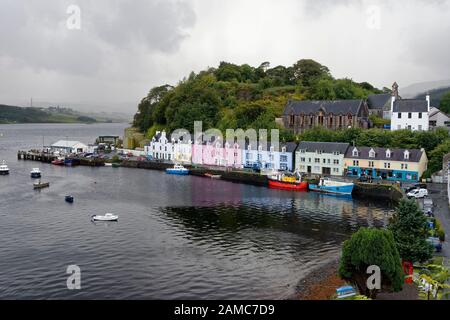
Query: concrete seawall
[[386, 192]]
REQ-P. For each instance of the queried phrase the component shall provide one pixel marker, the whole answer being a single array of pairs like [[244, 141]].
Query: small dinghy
[[106, 217], [69, 199], [41, 185]]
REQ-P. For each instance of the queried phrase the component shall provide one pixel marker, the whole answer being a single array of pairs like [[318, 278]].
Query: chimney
[[392, 104], [428, 101]]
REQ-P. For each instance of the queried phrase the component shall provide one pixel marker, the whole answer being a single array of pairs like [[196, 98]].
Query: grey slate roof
[[410, 105], [378, 101], [324, 147], [336, 107], [380, 154]]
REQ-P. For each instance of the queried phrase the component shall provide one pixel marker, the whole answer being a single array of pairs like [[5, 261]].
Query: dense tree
[[307, 71], [445, 103], [409, 227], [371, 247]]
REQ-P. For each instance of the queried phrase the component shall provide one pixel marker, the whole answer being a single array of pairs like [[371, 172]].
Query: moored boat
[[69, 199], [4, 170], [58, 162], [68, 162], [213, 176], [332, 187], [287, 181], [106, 217], [177, 169], [41, 185], [35, 173]]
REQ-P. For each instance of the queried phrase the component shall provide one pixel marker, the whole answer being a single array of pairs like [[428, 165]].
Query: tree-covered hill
[[14, 114], [241, 96]]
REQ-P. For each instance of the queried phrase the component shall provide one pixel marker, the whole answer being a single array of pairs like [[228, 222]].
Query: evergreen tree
[[409, 227], [368, 247]]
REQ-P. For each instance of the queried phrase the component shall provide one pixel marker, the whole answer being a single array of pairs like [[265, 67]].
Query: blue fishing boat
[[178, 169], [68, 162], [332, 187]]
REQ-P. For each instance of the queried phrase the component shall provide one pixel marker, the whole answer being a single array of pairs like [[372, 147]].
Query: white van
[[418, 193]]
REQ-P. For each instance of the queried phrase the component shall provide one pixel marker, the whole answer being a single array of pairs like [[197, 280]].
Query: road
[[438, 192]]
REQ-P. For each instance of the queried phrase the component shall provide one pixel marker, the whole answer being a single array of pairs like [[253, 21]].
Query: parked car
[[416, 186], [418, 193]]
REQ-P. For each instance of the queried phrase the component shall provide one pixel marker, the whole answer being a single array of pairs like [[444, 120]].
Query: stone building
[[299, 116]]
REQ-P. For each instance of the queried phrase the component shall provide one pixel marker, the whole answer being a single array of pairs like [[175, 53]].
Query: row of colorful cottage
[[314, 158]]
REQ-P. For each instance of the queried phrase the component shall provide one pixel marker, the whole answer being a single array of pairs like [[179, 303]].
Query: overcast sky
[[125, 47]]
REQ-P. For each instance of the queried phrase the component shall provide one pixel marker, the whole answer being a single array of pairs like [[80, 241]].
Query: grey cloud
[[34, 33]]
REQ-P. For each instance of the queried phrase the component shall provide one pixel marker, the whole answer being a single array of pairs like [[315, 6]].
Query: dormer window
[[355, 152], [406, 154], [283, 149], [260, 148], [372, 153], [388, 153]]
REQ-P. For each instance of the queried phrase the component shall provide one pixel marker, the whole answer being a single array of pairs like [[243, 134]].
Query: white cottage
[[410, 114], [269, 158], [160, 147]]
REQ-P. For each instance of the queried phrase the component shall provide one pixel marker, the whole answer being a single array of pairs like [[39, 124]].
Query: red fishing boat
[[58, 162], [287, 181]]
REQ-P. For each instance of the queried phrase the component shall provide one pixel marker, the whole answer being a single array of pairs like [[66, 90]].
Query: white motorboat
[[106, 217], [35, 173], [4, 170]]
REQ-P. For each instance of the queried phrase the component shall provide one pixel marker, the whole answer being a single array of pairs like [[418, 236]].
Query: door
[[309, 169], [326, 171]]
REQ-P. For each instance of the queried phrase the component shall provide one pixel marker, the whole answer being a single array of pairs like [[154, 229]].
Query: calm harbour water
[[177, 237]]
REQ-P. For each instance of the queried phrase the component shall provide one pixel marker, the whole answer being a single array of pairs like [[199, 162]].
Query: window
[[371, 164], [283, 149], [387, 165], [284, 158], [248, 156], [335, 161], [335, 170], [355, 152], [409, 115], [420, 127], [303, 159], [399, 115], [372, 153], [356, 163], [309, 160], [302, 151], [271, 157], [319, 151], [409, 127], [406, 154], [388, 153], [324, 161], [420, 115], [404, 166], [317, 160]]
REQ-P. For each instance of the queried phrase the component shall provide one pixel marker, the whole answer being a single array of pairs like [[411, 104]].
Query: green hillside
[[241, 96]]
